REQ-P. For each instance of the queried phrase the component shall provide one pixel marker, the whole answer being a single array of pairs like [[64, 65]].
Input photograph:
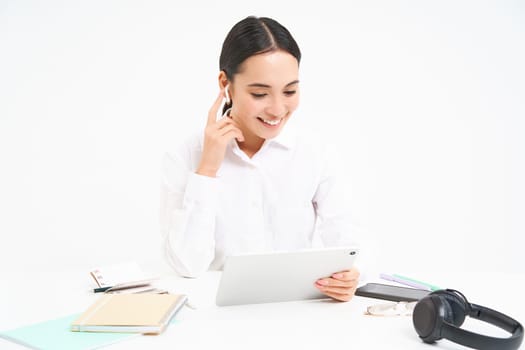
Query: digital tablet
[[280, 276]]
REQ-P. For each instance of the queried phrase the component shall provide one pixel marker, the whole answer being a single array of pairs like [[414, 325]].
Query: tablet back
[[280, 276]]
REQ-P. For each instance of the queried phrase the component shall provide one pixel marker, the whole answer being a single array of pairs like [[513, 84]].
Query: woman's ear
[[224, 83], [223, 80]]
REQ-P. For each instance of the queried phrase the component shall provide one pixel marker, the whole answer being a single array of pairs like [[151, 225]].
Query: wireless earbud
[[226, 108], [227, 94]]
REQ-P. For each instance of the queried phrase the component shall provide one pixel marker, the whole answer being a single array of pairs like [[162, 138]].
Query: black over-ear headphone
[[440, 314]]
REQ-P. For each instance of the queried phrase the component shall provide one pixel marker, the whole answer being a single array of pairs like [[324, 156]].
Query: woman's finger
[[339, 296], [346, 278], [338, 290], [229, 128], [347, 275], [331, 282], [212, 114], [343, 293]]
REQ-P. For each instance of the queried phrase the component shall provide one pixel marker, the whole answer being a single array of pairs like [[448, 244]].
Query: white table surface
[[28, 297]]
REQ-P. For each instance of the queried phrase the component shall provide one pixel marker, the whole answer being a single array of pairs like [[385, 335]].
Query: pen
[[431, 287], [127, 286], [408, 282]]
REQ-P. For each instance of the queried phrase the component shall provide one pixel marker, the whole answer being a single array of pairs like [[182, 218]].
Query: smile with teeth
[[270, 122]]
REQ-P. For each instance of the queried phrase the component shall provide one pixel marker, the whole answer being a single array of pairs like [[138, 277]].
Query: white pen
[[406, 282]]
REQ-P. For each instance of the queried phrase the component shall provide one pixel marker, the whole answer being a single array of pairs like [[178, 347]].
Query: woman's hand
[[340, 286], [217, 135]]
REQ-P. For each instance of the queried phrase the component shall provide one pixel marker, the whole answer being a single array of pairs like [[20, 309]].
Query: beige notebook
[[130, 313]]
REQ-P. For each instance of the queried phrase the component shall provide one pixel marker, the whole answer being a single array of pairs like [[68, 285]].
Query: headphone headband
[[496, 318], [434, 317]]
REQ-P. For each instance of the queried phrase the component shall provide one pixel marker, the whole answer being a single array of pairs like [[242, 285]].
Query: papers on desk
[[56, 335], [125, 277]]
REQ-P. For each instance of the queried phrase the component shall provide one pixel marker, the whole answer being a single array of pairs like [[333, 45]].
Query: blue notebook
[[56, 335]]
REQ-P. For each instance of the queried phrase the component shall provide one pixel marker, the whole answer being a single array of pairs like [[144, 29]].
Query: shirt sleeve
[[335, 226], [188, 209]]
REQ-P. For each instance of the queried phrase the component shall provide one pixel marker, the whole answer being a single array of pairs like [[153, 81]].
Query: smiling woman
[[266, 94], [248, 184], [259, 63]]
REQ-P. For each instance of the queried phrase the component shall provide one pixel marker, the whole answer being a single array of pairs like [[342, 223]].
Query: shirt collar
[[286, 138]]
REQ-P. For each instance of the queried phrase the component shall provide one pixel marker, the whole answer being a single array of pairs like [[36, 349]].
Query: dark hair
[[253, 36]]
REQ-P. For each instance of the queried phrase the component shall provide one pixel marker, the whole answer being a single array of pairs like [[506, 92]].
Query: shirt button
[[256, 204]]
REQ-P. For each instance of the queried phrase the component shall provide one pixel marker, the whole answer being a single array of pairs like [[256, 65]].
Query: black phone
[[390, 292]]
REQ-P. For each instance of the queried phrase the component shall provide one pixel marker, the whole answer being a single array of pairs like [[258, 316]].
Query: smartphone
[[390, 292]]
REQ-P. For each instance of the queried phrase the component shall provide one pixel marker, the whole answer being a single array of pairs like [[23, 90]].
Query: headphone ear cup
[[441, 313], [455, 307], [427, 318]]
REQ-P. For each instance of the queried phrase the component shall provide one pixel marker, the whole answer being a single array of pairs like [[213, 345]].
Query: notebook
[[125, 277], [109, 276], [130, 313], [56, 335]]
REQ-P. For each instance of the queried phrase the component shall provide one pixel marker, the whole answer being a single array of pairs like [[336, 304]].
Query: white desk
[[299, 325]]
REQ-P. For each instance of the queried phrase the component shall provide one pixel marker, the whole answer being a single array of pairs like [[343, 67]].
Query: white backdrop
[[424, 98]]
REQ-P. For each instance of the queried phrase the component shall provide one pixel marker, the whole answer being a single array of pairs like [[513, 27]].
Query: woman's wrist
[[206, 171]]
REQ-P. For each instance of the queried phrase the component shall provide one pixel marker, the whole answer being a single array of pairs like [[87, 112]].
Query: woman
[[249, 184]]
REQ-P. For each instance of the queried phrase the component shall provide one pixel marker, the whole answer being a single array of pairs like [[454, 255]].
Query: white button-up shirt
[[288, 196]]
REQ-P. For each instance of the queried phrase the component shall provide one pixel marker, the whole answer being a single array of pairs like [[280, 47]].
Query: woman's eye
[[290, 93], [258, 95]]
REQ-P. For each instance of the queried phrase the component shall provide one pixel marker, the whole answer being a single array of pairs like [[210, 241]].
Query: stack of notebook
[[130, 306], [112, 318], [130, 313]]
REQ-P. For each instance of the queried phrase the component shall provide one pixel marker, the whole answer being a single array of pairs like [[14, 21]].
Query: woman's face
[[265, 93]]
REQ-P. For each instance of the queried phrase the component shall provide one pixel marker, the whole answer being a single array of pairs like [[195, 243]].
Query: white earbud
[[227, 94]]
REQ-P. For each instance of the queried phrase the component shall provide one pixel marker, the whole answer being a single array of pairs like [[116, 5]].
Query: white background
[[426, 100]]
